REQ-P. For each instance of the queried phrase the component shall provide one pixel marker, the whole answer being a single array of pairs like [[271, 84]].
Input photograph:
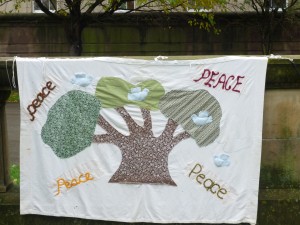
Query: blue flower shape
[[137, 94], [82, 79], [222, 160], [202, 118]]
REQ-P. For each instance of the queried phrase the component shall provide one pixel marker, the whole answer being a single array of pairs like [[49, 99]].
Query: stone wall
[[142, 34]]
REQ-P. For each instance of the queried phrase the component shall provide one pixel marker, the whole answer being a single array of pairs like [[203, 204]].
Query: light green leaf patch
[[115, 92]]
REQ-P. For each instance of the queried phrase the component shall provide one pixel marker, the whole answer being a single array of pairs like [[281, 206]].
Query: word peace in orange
[[74, 182]]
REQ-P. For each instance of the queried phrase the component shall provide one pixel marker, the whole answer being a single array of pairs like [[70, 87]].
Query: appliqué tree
[[144, 156]]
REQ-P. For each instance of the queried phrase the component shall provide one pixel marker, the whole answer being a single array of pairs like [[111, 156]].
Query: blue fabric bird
[[82, 79], [222, 160], [202, 118], [137, 94]]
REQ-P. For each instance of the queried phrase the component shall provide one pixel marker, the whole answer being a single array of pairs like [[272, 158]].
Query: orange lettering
[[74, 182], [81, 181], [68, 184], [59, 185], [88, 177]]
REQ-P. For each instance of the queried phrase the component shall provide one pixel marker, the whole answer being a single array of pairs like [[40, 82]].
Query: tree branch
[[155, 8], [106, 126], [170, 128], [69, 4], [45, 9], [53, 3], [133, 127], [115, 6], [112, 136], [93, 6], [147, 120], [182, 136], [104, 138], [5, 2], [140, 6]]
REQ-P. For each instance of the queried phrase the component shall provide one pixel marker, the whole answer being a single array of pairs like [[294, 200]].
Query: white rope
[[160, 57], [12, 82], [8, 74], [279, 57], [13, 74]]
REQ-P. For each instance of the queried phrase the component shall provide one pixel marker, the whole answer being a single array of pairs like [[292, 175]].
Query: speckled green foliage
[[113, 92], [71, 123], [15, 173]]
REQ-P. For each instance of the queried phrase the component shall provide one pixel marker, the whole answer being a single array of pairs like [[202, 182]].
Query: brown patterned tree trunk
[[144, 157]]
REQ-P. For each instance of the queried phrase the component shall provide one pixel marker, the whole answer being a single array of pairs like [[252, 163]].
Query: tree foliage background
[[76, 15], [273, 15]]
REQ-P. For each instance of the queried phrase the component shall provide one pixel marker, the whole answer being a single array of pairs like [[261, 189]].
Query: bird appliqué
[[202, 118], [137, 94]]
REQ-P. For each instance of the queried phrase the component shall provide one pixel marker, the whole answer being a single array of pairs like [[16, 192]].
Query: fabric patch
[[113, 92], [100, 154], [201, 118], [180, 105], [71, 123], [82, 79], [144, 157], [222, 160], [137, 94]]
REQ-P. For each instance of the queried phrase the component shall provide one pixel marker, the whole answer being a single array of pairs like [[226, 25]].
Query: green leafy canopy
[[71, 123]]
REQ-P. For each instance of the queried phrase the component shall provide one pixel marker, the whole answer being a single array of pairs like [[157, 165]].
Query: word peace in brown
[[37, 102], [208, 183]]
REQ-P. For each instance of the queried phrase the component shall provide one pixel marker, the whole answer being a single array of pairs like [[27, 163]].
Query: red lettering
[[31, 113], [237, 83], [36, 103], [215, 79], [40, 97], [49, 84], [227, 82], [207, 83], [202, 76], [43, 90], [221, 81]]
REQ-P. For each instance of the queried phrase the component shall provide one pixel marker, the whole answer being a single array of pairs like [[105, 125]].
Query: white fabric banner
[[142, 141]]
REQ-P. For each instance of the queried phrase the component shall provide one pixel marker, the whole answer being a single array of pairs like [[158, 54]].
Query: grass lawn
[[15, 173], [14, 97]]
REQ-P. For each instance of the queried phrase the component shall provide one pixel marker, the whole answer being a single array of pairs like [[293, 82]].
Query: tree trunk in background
[[73, 31]]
